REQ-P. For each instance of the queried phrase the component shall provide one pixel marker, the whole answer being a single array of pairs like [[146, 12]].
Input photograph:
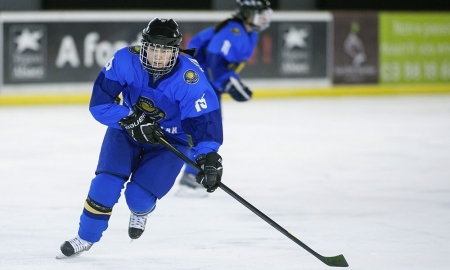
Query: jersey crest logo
[[148, 106], [235, 31], [134, 49], [190, 76]]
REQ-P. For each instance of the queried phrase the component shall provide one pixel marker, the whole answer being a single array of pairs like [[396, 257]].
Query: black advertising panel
[[355, 48], [290, 50], [51, 51], [73, 52], [302, 49]]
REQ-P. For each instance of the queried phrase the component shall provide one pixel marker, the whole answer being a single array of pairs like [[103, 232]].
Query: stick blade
[[336, 261]]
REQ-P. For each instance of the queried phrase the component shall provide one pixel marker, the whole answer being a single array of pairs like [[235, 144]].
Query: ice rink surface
[[366, 177]]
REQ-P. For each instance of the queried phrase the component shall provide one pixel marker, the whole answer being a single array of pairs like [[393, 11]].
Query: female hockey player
[[164, 95], [222, 51]]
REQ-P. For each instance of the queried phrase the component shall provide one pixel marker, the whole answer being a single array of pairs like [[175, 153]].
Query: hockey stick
[[337, 261]]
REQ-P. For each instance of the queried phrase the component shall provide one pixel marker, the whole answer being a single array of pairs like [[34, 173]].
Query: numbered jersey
[[222, 52], [182, 101]]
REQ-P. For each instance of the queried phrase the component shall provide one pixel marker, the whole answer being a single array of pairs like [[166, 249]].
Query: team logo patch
[[148, 106], [235, 31], [190, 76], [134, 49]]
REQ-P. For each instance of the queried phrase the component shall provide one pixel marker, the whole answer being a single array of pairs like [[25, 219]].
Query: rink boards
[[54, 57]]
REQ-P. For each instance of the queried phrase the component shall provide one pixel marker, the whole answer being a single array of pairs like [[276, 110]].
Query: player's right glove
[[212, 170], [141, 128], [237, 90]]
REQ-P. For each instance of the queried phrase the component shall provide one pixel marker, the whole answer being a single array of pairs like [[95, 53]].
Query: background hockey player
[[164, 94], [222, 51]]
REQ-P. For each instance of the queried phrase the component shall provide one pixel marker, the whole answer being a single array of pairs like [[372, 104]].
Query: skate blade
[[62, 256]]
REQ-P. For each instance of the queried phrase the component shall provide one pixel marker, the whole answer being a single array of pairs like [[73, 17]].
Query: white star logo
[[28, 40], [295, 37]]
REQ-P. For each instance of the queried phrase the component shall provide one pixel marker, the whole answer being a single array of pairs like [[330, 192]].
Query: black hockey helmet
[[247, 7], [254, 9], [162, 32]]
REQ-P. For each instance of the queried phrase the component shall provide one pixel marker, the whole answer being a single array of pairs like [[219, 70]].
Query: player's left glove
[[237, 90], [141, 128], [212, 170]]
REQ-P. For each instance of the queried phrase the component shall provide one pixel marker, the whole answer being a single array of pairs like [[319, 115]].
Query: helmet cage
[[157, 59], [261, 19], [160, 46]]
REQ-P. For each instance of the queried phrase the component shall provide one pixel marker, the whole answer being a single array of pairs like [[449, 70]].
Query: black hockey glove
[[212, 170], [237, 90], [141, 128]]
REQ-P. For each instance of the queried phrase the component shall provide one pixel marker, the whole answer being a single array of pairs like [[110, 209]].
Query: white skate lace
[[138, 222], [79, 244]]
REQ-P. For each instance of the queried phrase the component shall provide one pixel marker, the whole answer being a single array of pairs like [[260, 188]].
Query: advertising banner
[[355, 48], [74, 51], [301, 50], [414, 48]]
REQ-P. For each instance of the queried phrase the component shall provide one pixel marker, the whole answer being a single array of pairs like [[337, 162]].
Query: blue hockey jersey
[[182, 101], [220, 53]]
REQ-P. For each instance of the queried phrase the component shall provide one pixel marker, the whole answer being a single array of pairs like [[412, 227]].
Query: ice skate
[[190, 188], [74, 247], [136, 227]]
